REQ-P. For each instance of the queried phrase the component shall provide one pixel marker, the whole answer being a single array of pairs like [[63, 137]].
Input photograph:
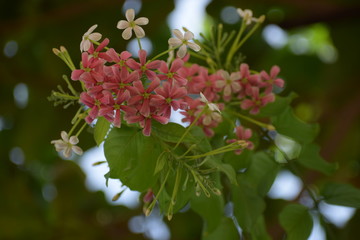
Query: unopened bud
[[63, 49], [270, 127], [56, 51], [261, 19]]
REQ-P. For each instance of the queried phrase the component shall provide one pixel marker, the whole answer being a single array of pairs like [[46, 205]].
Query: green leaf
[[101, 129], [226, 230], [311, 158], [161, 161], [289, 125], [296, 221], [259, 230], [171, 132], [261, 173], [238, 162], [227, 169], [248, 206], [290, 148], [341, 194], [277, 107], [132, 157]]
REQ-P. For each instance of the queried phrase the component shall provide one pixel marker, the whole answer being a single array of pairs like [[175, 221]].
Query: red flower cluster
[[119, 87]]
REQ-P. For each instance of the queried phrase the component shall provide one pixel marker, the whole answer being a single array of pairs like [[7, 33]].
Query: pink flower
[[120, 79], [242, 134], [269, 80], [142, 97], [257, 101], [229, 84], [207, 84], [97, 52], [247, 80], [91, 71], [172, 73], [169, 93], [94, 103], [145, 121], [143, 66], [190, 73], [119, 59]]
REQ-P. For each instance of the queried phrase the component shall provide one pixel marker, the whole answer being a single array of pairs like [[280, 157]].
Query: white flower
[[130, 24], [212, 106], [247, 16], [89, 35], [229, 83], [183, 41], [67, 145]]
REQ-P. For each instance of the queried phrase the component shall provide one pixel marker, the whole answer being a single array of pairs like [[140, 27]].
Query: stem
[[157, 195], [139, 43], [161, 54], [81, 129], [233, 46], [70, 87], [65, 96], [261, 124], [248, 35], [174, 193], [188, 129]]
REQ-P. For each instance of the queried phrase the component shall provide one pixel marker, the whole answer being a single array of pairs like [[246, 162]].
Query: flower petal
[[122, 24], [77, 150], [127, 33], [64, 136], [142, 21], [178, 34], [130, 14], [188, 35], [74, 140], [95, 36], [182, 51], [194, 46], [139, 32], [174, 42]]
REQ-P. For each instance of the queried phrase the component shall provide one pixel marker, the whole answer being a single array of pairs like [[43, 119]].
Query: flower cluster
[[120, 88]]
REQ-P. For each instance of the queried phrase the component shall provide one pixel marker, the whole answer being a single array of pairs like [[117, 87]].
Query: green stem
[[157, 195], [139, 43], [161, 54], [248, 35], [233, 46], [70, 87], [188, 129], [65, 96], [81, 129], [261, 124]]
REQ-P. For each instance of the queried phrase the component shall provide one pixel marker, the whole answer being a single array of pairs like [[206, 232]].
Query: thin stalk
[[261, 124]]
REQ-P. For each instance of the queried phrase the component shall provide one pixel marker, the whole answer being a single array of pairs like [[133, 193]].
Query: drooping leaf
[[101, 129], [226, 230], [132, 157], [341, 194], [248, 206], [297, 222], [311, 158], [289, 125], [259, 230]]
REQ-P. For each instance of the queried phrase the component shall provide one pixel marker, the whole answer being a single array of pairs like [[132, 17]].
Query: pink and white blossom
[[132, 24]]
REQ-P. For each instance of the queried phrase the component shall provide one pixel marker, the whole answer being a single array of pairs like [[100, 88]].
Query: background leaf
[[226, 230], [297, 222], [101, 129], [341, 194]]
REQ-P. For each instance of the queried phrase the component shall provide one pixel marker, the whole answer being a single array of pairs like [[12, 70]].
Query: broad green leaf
[[238, 162], [297, 222], [341, 194], [226, 230], [101, 129], [259, 230], [248, 206], [132, 157], [289, 125], [227, 169], [171, 132], [311, 158], [275, 108], [261, 173], [161, 162], [210, 209]]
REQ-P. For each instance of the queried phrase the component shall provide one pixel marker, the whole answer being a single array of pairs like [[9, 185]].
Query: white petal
[[74, 140], [194, 46], [235, 76], [142, 21], [64, 136], [130, 14], [235, 86], [207, 120], [178, 34], [77, 150], [95, 36], [91, 29], [127, 33], [139, 32], [174, 42], [82, 45], [86, 45], [203, 98], [240, 12], [220, 84], [182, 51], [227, 90], [188, 35], [122, 24], [67, 152]]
